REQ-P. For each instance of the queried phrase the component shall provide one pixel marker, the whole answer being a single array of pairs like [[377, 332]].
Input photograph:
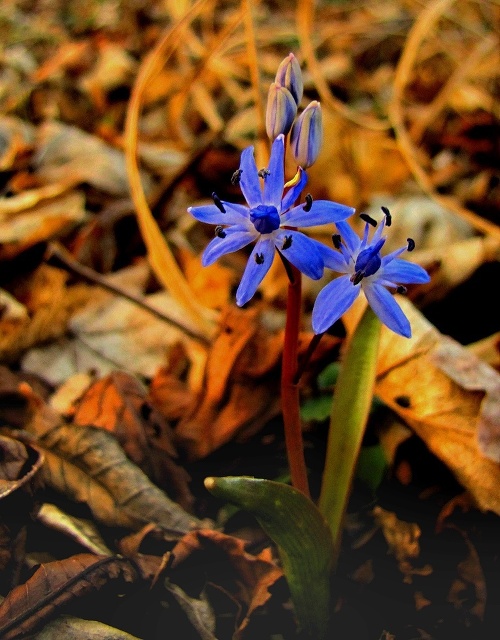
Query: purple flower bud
[[281, 111], [289, 76], [307, 135]]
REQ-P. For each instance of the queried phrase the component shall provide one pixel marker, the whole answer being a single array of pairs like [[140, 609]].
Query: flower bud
[[289, 76], [281, 111], [307, 135]]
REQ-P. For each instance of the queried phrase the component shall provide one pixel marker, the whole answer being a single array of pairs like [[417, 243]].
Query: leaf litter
[[113, 119]]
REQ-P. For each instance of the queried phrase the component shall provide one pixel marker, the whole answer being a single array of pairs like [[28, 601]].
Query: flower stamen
[[259, 258], [219, 231], [366, 218], [388, 217], [287, 243], [236, 177], [263, 173], [411, 244], [309, 202], [218, 202]]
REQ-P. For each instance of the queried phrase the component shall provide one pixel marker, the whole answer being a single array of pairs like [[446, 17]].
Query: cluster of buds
[[283, 100]]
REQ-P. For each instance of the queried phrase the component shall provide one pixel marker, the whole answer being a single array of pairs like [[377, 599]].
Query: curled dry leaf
[[448, 397], [247, 577], [88, 465], [55, 585], [19, 479]]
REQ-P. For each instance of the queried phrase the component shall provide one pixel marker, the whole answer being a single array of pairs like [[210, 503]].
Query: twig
[[57, 256]]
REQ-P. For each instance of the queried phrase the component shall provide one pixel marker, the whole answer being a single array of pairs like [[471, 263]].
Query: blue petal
[[236, 238], [274, 181], [334, 260], [254, 273], [321, 212], [387, 309], [295, 190], [235, 213], [349, 236], [304, 253], [404, 272], [332, 302], [249, 178]]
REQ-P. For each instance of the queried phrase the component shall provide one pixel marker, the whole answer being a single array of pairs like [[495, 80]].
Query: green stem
[[289, 388], [350, 409]]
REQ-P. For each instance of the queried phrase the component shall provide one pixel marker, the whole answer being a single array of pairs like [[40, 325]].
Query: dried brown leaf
[[71, 628], [54, 586], [447, 396], [246, 577], [88, 465]]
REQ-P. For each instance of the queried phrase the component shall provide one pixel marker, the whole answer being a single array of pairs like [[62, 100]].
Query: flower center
[[265, 218], [368, 262]]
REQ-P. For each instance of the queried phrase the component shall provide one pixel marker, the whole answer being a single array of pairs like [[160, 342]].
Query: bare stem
[[289, 388]]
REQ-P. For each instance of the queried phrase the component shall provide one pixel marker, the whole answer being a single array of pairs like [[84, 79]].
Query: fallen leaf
[[470, 577], [88, 465], [241, 386], [84, 532], [119, 404], [246, 577], [41, 223], [20, 465], [444, 413], [67, 154], [71, 628], [49, 304], [55, 585]]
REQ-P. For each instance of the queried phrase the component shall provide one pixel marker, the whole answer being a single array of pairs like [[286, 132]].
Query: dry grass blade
[[423, 26], [305, 21], [161, 259]]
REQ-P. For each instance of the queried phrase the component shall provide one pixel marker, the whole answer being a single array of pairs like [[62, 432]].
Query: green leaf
[[371, 466], [301, 535], [350, 408], [316, 408]]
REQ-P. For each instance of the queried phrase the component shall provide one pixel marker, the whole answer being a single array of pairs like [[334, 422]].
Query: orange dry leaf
[[241, 387]]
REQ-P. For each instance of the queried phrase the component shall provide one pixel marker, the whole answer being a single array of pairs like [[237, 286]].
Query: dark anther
[[259, 258], [388, 217], [218, 203], [235, 178], [411, 244], [401, 289], [337, 241], [219, 231], [366, 218], [357, 277], [309, 202], [403, 401], [263, 173], [287, 242]]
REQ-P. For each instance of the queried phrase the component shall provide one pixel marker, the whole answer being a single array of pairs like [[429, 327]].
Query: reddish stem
[[290, 389]]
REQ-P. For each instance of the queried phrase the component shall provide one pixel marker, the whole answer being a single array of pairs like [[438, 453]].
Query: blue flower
[[268, 219], [366, 270]]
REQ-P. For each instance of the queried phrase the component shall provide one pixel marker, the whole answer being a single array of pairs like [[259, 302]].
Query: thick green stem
[[290, 389], [350, 409]]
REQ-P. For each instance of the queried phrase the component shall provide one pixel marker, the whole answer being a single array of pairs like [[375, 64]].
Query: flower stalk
[[290, 401]]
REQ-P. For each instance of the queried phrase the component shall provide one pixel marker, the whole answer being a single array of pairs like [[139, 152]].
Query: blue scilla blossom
[[365, 269], [267, 220]]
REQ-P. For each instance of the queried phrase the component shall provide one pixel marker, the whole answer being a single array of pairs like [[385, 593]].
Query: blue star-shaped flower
[[267, 220], [366, 270]]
